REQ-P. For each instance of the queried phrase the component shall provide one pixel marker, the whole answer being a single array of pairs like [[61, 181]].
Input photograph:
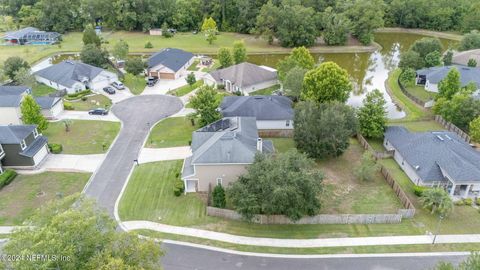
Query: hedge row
[[78, 95], [7, 177]]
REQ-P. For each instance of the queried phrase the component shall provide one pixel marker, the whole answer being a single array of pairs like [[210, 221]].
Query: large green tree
[[410, 59], [299, 57], [12, 65], [324, 130], [335, 27], [474, 129], [85, 236], [120, 50], [293, 82], [205, 104], [460, 110], [93, 55], [90, 36], [283, 184], [32, 113], [209, 29], [471, 18], [296, 25], [366, 15], [239, 52], [135, 65], [225, 57], [25, 77], [470, 41], [450, 85], [266, 24], [433, 59], [437, 200], [188, 14], [372, 116], [328, 82], [426, 45]]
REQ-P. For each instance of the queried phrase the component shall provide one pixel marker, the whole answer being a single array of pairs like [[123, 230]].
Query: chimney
[[259, 144]]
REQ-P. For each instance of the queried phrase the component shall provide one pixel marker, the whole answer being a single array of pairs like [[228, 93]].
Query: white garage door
[[191, 186], [57, 109], [41, 154]]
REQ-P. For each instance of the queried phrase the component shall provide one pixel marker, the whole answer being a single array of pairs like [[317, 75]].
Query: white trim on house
[[23, 144]]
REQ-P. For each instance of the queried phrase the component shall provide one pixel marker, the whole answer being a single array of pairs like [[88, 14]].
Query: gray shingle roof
[[47, 102], [431, 151], [244, 74], [14, 134], [69, 72], [14, 90], [35, 146], [173, 59], [467, 74], [260, 107], [10, 101]]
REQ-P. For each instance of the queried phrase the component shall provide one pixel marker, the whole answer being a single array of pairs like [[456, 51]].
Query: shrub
[[68, 106], [218, 197], [418, 190], [477, 201], [84, 98], [178, 187], [459, 203], [78, 95], [148, 45], [7, 177], [55, 148], [468, 201]]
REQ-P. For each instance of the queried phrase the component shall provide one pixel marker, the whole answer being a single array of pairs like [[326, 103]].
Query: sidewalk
[[301, 243], [83, 115], [160, 154]]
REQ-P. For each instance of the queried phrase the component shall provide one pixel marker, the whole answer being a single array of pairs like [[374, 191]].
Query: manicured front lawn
[[171, 132], [420, 93], [92, 102], [266, 91], [28, 192], [42, 90], [85, 136], [136, 84], [183, 90]]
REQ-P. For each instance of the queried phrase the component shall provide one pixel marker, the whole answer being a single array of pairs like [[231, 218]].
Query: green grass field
[[420, 93], [183, 90], [92, 102], [28, 192], [266, 91], [85, 136], [171, 132], [136, 84], [42, 90]]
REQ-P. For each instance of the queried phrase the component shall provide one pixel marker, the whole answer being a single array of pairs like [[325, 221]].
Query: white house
[[169, 64], [244, 77], [51, 106], [10, 113], [431, 77], [75, 76]]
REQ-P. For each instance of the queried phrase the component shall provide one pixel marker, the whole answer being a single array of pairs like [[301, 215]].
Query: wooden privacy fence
[[410, 96], [367, 146], [409, 210], [451, 127]]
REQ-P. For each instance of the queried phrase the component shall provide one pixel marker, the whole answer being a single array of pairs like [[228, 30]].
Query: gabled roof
[[260, 107], [14, 90], [10, 101], [171, 58], [35, 146], [431, 152], [467, 74], [47, 102], [67, 73], [244, 74], [14, 134]]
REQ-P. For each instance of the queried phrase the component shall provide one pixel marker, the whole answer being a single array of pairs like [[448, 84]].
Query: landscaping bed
[[90, 102], [171, 132], [85, 136], [23, 196]]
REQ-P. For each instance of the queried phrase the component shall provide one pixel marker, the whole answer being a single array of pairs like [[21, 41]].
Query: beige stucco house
[[169, 64]]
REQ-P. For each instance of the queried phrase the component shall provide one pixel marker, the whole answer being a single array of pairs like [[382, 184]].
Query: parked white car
[[118, 85]]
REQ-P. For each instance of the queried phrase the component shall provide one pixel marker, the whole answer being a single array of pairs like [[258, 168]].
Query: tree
[[474, 129], [94, 56], [437, 200], [165, 31], [24, 77], [323, 130], [408, 76], [296, 25], [470, 41], [224, 57], [218, 197], [367, 168], [90, 36], [328, 82], [367, 16], [293, 83], [239, 52], [67, 123], [372, 116], [448, 58], [426, 45], [82, 233], [32, 113], [120, 50], [471, 18], [283, 184], [266, 24], [12, 65], [209, 28], [191, 80], [135, 65], [433, 59], [206, 104], [299, 57], [335, 27], [410, 59], [460, 110], [450, 85], [472, 62], [188, 15]]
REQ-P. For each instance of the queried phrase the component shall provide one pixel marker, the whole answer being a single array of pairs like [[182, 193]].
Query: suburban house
[[462, 58], [10, 113], [30, 35], [169, 64], [221, 153], [274, 114], [244, 77], [75, 76], [13, 90], [437, 158], [23, 146], [51, 106], [430, 77]]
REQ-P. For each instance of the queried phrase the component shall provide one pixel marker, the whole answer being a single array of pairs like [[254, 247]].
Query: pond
[[368, 71]]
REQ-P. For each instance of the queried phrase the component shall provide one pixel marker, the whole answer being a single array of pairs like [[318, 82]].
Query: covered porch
[[463, 190]]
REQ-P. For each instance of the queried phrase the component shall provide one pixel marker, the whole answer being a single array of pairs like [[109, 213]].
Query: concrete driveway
[[119, 96], [138, 115], [73, 163], [163, 86], [160, 154], [82, 115]]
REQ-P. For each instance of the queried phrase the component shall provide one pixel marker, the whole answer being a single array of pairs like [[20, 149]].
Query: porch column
[[468, 191], [452, 191]]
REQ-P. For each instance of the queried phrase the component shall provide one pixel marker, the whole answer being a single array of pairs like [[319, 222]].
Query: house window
[[23, 144], [219, 181], [35, 133], [287, 123]]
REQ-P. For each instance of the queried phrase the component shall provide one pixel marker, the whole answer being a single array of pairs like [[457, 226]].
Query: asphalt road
[[191, 258], [137, 114]]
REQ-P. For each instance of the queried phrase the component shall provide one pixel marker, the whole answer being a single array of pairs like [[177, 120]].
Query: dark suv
[[151, 81], [98, 111], [109, 90]]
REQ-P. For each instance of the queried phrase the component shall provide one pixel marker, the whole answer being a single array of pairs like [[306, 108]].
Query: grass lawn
[[282, 145], [85, 136], [193, 66], [420, 93], [92, 102], [183, 90], [41, 89], [266, 91], [419, 126], [28, 192], [136, 84], [214, 66], [171, 132]]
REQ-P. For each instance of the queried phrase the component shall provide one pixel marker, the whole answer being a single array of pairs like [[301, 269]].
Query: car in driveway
[[98, 111], [151, 81], [109, 90], [118, 85]]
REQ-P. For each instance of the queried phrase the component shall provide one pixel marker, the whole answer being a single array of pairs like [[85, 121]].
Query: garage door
[[168, 76], [191, 186], [57, 109], [40, 155]]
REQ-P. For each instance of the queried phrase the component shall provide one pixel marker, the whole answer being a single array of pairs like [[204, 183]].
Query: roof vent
[[448, 137], [417, 167], [440, 138]]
